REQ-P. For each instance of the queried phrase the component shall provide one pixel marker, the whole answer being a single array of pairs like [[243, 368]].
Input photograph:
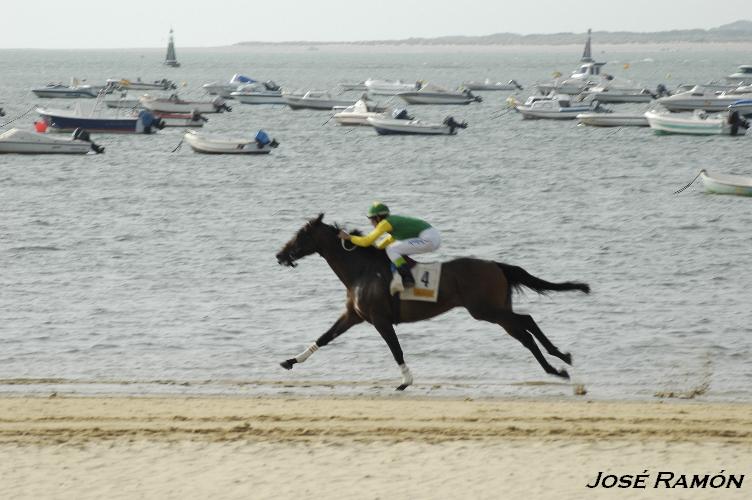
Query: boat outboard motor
[[401, 114], [149, 122], [452, 124], [82, 135], [262, 139], [2, 113], [475, 98], [737, 121], [270, 85], [661, 91], [220, 104], [196, 116], [514, 82]]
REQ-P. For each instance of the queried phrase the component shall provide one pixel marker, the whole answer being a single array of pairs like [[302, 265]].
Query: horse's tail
[[518, 277]]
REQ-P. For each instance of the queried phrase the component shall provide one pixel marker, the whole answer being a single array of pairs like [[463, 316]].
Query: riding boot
[[407, 277]]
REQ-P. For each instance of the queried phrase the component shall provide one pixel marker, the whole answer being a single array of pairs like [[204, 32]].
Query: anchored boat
[[200, 143], [697, 123], [726, 183], [23, 142]]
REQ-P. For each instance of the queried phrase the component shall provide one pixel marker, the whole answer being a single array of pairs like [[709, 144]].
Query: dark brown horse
[[483, 287]]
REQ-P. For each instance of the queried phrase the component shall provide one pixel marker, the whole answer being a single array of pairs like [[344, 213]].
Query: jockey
[[404, 236]]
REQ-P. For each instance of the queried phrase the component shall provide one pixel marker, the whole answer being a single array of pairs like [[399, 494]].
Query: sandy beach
[[392, 447]]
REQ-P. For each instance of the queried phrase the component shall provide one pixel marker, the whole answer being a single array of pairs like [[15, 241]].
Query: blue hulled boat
[[64, 120]]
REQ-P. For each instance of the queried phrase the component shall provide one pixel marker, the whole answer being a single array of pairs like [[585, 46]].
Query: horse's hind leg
[[518, 329], [532, 327]]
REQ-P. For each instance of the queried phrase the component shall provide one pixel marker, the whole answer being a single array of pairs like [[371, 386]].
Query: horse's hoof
[[401, 387], [287, 364], [563, 374], [567, 358]]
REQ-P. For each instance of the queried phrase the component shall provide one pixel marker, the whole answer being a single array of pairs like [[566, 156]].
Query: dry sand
[[389, 448]]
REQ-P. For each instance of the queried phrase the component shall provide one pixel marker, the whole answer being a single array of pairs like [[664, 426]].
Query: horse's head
[[303, 243]]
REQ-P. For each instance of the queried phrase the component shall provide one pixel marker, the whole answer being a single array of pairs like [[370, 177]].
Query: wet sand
[[395, 447]]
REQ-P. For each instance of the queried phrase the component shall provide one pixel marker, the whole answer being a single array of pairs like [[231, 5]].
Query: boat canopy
[[238, 78]]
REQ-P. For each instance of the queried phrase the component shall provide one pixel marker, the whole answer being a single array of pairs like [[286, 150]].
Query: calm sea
[[147, 271]]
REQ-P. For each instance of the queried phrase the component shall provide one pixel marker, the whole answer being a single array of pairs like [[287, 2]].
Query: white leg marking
[[407, 377], [307, 353]]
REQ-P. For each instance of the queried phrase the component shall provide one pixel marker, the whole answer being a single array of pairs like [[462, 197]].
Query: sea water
[[144, 270]]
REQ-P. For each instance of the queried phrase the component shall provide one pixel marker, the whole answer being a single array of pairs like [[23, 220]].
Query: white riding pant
[[427, 241]]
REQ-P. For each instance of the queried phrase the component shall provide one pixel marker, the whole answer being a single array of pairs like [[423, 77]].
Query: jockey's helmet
[[378, 209]]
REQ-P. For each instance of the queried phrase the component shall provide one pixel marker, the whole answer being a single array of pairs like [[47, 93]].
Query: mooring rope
[[693, 180], [19, 117], [178, 146]]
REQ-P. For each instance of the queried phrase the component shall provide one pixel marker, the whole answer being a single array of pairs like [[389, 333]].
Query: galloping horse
[[483, 287]]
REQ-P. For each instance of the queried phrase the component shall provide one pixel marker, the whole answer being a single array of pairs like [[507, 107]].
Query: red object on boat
[[40, 126]]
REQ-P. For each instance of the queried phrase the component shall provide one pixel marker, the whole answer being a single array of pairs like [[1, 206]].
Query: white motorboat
[[743, 75], [726, 183], [697, 123], [584, 77], [608, 92], [700, 97], [182, 119], [556, 107], [389, 87], [200, 143], [123, 102], [743, 107], [402, 124], [73, 91], [23, 142], [347, 87], [175, 104], [613, 119], [314, 99], [357, 114], [137, 84], [487, 84], [225, 89], [434, 94], [259, 93]]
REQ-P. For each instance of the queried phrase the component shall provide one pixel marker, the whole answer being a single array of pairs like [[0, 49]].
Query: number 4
[[425, 279]]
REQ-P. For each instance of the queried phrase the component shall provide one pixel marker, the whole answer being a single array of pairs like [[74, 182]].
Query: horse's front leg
[[348, 319], [387, 332]]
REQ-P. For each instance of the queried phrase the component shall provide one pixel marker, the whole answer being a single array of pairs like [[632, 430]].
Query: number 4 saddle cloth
[[427, 278]]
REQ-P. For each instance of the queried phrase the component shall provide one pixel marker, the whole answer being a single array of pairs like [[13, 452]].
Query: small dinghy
[[260, 144], [403, 124], [23, 142], [726, 183]]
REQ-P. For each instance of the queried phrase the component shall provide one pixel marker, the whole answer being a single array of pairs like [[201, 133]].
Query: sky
[[204, 23]]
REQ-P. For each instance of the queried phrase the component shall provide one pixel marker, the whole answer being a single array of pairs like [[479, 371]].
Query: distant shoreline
[[432, 48]]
